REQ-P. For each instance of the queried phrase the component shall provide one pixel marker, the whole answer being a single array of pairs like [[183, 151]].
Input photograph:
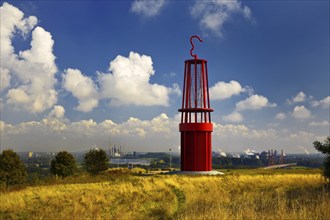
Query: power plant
[[116, 151]]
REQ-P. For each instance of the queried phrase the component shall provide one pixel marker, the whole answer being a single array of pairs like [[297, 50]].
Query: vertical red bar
[[187, 82], [184, 86], [205, 96], [208, 96], [195, 88]]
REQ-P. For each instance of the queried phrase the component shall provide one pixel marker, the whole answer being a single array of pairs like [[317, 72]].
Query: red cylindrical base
[[196, 146]]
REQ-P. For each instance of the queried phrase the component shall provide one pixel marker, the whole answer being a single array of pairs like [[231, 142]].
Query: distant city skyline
[[76, 73]]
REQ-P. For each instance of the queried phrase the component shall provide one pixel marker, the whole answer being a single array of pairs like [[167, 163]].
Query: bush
[[96, 161], [12, 169], [324, 148], [122, 170], [63, 165]]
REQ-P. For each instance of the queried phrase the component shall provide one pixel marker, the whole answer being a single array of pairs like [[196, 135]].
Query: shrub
[[324, 148], [96, 161], [12, 169], [63, 165]]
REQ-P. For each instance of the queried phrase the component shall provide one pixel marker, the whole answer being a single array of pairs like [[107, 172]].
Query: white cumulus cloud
[[300, 97], [16, 96], [212, 15], [57, 112], [81, 87], [234, 117], [254, 102], [34, 69], [148, 8], [300, 112], [319, 123], [280, 116], [324, 103], [128, 82], [222, 90], [4, 79]]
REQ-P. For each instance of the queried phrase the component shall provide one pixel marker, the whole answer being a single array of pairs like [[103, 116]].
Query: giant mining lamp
[[196, 126]]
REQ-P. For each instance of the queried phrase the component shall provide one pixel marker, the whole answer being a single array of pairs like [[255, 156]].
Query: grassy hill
[[232, 196]]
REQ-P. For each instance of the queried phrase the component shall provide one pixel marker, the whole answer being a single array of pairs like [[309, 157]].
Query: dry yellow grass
[[287, 196]]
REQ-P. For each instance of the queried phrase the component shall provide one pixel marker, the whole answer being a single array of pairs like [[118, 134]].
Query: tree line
[[13, 171]]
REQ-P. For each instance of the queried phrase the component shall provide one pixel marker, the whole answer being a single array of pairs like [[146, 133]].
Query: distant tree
[[63, 165], [12, 169], [162, 163], [324, 148], [95, 161]]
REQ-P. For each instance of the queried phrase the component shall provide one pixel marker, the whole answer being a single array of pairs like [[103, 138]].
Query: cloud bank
[[58, 133]]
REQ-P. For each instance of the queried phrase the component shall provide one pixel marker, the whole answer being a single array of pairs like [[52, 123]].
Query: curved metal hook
[[193, 46]]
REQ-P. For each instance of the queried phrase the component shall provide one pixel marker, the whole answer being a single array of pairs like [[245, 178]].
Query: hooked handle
[[193, 46]]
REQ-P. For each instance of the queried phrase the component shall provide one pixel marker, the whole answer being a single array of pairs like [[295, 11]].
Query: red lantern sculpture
[[196, 127]]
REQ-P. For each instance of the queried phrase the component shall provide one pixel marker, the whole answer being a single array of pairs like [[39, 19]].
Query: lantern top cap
[[193, 46]]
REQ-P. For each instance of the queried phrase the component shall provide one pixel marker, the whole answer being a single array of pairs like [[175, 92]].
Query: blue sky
[[268, 64]]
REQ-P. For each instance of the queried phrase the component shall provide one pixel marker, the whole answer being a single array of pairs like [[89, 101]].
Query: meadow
[[249, 194]]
